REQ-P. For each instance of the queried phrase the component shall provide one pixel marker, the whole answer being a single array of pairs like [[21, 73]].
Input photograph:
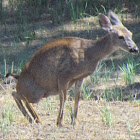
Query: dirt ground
[[124, 121]]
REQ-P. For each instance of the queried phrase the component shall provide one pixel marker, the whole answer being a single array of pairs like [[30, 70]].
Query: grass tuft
[[129, 71], [106, 117]]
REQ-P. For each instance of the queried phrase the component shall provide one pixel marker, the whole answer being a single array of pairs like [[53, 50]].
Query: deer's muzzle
[[134, 50]]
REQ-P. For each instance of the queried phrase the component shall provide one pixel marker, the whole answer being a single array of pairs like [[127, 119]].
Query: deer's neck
[[101, 48]]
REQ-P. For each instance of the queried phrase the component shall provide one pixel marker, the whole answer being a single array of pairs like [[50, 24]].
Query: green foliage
[[86, 90], [129, 71], [48, 104], [107, 74], [106, 117], [11, 68], [95, 77], [71, 113], [136, 102], [9, 114], [60, 10], [3, 126], [131, 137], [6, 118], [113, 94]]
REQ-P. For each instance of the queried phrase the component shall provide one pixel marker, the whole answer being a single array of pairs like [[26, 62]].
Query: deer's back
[[61, 59]]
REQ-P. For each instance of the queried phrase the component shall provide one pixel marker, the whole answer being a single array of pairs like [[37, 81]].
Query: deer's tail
[[13, 75]]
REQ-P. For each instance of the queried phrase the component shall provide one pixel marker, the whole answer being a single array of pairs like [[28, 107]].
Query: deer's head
[[120, 35]]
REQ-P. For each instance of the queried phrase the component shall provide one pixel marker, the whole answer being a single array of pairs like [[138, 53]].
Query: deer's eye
[[121, 37]]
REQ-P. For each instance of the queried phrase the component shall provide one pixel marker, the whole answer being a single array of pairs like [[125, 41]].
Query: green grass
[[3, 127], [86, 91], [106, 117], [70, 112], [130, 131], [114, 94], [136, 102], [61, 10], [103, 75], [6, 118], [107, 74], [48, 104], [11, 68], [95, 77], [8, 113], [129, 71]]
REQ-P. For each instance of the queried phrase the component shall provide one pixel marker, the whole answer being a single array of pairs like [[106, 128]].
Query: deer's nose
[[134, 50]]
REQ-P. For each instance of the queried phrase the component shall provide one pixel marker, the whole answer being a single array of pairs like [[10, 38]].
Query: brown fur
[[60, 64]]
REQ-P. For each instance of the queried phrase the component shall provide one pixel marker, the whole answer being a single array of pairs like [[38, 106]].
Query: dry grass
[[125, 118]]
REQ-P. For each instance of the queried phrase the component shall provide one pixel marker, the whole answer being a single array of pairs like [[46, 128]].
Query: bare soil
[[124, 118]]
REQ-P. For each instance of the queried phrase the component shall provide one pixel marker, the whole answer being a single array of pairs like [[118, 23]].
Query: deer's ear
[[114, 18], [105, 22]]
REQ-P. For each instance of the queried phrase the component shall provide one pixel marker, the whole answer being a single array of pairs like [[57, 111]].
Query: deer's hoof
[[75, 122], [59, 124]]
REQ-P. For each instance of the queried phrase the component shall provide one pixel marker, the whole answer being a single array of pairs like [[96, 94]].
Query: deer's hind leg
[[32, 111], [78, 87], [62, 97], [17, 99]]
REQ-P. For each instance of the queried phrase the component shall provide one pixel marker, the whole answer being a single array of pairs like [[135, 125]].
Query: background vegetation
[[26, 25]]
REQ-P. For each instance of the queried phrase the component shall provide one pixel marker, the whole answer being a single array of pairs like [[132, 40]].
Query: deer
[[64, 62]]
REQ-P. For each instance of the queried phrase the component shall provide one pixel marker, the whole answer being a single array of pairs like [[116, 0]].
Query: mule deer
[[61, 63]]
